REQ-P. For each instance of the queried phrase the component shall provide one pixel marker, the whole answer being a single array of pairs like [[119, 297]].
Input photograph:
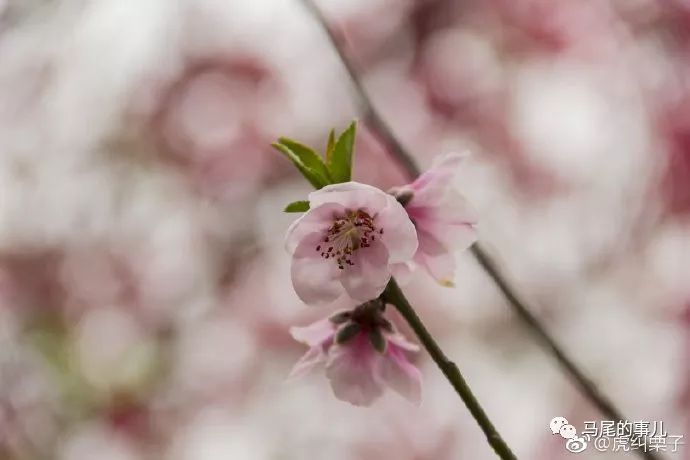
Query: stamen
[[347, 234]]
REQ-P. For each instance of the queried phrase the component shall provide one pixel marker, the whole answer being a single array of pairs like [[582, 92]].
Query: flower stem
[[395, 296]]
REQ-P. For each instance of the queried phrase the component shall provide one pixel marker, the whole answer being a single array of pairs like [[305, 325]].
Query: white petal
[[314, 279], [351, 195], [399, 234], [402, 272], [453, 222], [317, 219], [367, 278], [436, 259], [315, 333], [431, 186], [312, 358]]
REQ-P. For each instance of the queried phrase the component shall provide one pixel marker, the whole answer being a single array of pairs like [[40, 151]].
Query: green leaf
[[330, 146], [297, 206], [309, 168], [340, 162], [308, 156]]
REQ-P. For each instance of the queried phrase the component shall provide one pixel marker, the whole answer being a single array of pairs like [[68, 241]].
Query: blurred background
[[145, 296]]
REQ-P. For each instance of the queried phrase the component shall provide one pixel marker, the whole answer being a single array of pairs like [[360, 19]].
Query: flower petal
[[452, 222], [312, 358], [353, 372], [399, 340], [455, 237], [402, 271], [431, 186], [401, 375], [435, 258], [399, 234], [317, 219], [367, 278], [314, 279], [456, 209], [315, 333], [350, 195]]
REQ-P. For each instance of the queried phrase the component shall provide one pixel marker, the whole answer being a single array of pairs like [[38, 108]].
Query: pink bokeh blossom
[[347, 242]]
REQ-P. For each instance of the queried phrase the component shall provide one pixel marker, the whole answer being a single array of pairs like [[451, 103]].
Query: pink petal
[[352, 371], [400, 341], [435, 258], [455, 237], [351, 195], [401, 375], [455, 208], [402, 271], [399, 234], [452, 222], [367, 278], [432, 185], [317, 219], [314, 334], [314, 279], [312, 358]]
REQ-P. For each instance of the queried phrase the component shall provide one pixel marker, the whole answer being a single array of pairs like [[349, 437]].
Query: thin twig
[[406, 161], [394, 296], [586, 386], [378, 126]]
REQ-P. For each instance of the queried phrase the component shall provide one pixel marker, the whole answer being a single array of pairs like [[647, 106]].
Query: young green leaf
[[297, 206], [340, 162], [314, 175], [330, 146], [308, 156]]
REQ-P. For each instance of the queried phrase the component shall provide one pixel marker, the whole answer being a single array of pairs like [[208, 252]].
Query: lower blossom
[[362, 355]]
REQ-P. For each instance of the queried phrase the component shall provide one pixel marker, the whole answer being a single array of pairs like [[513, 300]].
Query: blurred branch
[[394, 295], [406, 161]]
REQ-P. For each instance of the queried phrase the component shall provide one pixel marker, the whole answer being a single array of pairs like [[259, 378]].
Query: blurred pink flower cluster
[[145, 296]]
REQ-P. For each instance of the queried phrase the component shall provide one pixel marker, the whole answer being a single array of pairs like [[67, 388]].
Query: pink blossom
[[358, 372], [444, 220], [347, 242]]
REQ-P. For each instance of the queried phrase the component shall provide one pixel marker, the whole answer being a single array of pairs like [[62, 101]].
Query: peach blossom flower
[[444, 220], [347, 242], [362, 355]]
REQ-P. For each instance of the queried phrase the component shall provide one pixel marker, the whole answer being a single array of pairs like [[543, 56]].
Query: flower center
[[348, 234]]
